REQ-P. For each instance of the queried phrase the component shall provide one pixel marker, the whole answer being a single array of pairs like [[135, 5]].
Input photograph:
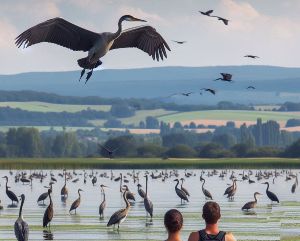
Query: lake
[[266, 222]]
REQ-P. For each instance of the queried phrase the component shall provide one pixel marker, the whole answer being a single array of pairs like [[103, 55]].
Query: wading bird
[[184, 189], [76, 203], [206, 193], [102, 205], [21, 227], [147, 202], [141, 192], [44, 195], [48, 215], [181, 194], [294, 186], [63, 33], [64, 189], [251, 56], [251, 204], [225, 77], [10, 194], [120, 216], [207, 13], [270, 194]]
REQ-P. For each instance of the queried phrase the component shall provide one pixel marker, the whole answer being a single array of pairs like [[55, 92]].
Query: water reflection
[[48, 235]]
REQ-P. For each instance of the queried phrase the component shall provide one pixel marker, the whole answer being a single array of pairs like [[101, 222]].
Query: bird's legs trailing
[[82, 73]]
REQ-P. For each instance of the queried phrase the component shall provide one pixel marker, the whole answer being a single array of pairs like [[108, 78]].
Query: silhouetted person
[[211, 214], [173, 221]]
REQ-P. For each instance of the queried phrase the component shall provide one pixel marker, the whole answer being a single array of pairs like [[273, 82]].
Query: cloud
[[139, 13], [7, 34], [32, 9]]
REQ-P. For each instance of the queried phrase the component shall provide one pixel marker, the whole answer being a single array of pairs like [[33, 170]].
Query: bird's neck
[[126, 201], [255, 198], [119, 31], [21, 207]]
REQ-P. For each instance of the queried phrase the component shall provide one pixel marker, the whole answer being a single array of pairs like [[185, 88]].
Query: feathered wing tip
[[145, 38]]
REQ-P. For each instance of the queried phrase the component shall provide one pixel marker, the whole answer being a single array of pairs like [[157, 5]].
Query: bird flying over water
[[251, 88], [207, 13], [61, 32], [225, 77]]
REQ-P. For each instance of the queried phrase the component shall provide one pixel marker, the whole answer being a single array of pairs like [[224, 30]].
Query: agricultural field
[[229, 115], [49, 107], [140, 115]]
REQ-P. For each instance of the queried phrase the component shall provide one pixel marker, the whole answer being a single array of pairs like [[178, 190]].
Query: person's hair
[[173, 220], [211, 212]]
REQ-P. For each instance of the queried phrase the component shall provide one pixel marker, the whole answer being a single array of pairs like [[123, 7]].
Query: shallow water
[[266, 222]]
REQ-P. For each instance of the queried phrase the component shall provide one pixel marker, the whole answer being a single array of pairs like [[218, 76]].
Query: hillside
[[273, 84]]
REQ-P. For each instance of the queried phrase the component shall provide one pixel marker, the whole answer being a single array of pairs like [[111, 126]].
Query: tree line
[[29, 142]]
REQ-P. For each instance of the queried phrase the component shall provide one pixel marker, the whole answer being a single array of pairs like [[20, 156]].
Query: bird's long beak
[[138, 20]]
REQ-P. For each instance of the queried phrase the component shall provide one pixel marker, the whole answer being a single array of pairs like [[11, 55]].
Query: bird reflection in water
[[48, 235]]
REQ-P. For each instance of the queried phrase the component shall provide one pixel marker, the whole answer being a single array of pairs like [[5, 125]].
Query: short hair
[[211, 212], [173, 220]]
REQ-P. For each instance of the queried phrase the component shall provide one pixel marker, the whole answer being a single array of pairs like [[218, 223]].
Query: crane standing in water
[[21, 227]]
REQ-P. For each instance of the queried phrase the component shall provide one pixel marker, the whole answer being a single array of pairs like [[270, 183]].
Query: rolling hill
[[273, 84]]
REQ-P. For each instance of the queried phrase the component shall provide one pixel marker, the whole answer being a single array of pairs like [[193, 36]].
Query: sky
[[267, 28]]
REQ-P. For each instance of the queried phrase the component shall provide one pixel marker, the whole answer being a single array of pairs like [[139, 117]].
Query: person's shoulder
[[194, 236], [229, 237]]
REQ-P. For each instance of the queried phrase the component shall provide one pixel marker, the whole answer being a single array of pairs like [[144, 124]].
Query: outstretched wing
[[58, 31], [145, 38]]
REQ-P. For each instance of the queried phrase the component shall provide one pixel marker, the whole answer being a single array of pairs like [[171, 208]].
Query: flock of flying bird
[[22, 229]]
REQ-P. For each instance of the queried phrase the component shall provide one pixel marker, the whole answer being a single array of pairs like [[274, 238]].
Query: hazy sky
[[268, 28]]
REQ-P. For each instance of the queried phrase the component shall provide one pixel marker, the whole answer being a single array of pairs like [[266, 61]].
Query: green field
[[47, 128], [140, 163], [49, 107], [140, 115], [234, 115]]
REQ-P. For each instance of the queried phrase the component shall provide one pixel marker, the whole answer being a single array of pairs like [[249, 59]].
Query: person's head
[[211, 212], [173, 221]]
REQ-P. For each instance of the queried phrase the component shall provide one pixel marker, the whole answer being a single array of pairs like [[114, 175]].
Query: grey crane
[[21, 227], [184, 189], [181, 194], [119, 216], [270, 194], [141, 192], [225, 77], [76, 203], [48, 215], [10, 194], [206, 193], [251, 204], [61, 32], [147, 202]]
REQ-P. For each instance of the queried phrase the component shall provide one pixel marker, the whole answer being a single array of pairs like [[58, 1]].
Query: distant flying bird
[[209, 90], [224, 20], [183, 93], [207, 13], [179, 42], [109, 151], [251, 56], [251, 87], [66, 34], [225, 77]]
